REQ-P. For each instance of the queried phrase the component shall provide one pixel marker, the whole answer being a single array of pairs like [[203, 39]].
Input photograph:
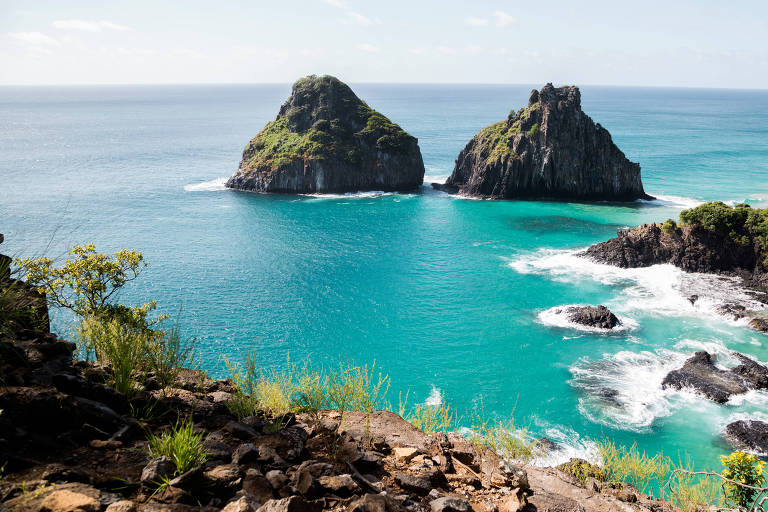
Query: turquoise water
[[447, 295]]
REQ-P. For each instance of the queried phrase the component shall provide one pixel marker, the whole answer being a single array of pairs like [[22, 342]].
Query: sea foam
[[207, 186], [558, 317]]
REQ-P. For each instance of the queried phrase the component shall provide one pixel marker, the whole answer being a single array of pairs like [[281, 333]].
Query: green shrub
[[430, 418], [87, 281], [180, 444], [622, 464], [721, 218], [747, 469], [669, 226], [582, 470], [169, 352], [534, 130], [124, 348], [502, 437], [133, 350], [348, 387]]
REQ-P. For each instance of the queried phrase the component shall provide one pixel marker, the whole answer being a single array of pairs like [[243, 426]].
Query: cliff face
[[691, 248], [550, 149], [325, 139]]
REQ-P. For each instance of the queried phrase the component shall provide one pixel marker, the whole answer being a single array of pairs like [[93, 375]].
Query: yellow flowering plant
[[746, 469]]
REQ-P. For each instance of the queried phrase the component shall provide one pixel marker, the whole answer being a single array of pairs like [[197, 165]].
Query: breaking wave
[[207, 186]]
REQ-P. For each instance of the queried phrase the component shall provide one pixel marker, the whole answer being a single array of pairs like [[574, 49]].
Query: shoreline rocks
[[327, 140], [700, 374], [748, 435], [548, 150], [693, 248]]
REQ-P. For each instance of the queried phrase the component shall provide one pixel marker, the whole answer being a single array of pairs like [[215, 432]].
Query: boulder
[[759, 324], [242, 504], [449, 504], [291, 504], [374, 503], [700, 374], [327, 140], [66, 500], [157, 469], [412, 483], [122, 506], [591, 316], [550, 149], [748, 435]]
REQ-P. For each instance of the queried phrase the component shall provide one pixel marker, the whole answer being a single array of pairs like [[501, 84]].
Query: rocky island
[[327, 140], [550, 149]]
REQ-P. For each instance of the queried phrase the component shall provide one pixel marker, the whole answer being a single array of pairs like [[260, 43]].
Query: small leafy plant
[[181, 444], [746, 469]]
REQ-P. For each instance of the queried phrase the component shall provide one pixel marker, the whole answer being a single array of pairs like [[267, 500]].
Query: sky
[[678, 43]]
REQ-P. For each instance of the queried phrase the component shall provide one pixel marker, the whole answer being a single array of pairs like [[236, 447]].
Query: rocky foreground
[[69, 443], [550, 149], [327, 140]]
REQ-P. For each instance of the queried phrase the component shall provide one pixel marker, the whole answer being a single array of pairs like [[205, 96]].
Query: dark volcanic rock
[[550, 149], [592, 316], [326, 139], [749, 435], [700, 373], [691, 248]]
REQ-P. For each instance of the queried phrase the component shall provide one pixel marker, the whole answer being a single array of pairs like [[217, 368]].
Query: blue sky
[[656, 43]]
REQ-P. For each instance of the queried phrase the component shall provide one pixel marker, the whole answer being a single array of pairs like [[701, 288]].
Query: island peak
[[326, 139], [548, 150]]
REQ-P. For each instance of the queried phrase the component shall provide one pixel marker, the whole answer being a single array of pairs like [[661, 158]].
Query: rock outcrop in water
[[691, 248], [700, 374], [592, 316], [326, 139], [551, 149], [748, 435], [712, 238]]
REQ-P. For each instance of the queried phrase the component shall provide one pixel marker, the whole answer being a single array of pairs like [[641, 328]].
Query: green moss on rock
[[323, 119]]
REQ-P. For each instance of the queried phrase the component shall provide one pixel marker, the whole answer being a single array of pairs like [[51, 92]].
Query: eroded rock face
[[326, 139], [691, 248], [592, 316], [748, 435], [550, 149], [700, 374]]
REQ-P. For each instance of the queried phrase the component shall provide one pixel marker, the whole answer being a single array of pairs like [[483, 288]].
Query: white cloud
[[89, 26], [355, 18], [337, 3], [34, 38], [504, 19], [477, 22], [368, 48]]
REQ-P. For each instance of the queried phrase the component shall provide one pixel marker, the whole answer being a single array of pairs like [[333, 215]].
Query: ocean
[[449, 296]]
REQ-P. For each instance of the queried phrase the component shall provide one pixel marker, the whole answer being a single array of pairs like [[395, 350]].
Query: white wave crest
[[207, 186], [624, 390], [672, 201], [662, 290], [435, 397], [353, 195], [558, 317], [568, 445]]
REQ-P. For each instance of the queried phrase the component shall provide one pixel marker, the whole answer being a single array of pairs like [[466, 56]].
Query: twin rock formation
[[325, 139]]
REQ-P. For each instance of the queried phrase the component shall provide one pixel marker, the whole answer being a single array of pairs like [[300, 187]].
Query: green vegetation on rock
[[741, 224], [496, 141], [323, 119]]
